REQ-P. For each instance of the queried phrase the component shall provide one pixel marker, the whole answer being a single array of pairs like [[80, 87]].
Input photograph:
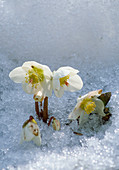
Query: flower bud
[[38, 97], [30, 131], [56, 124]]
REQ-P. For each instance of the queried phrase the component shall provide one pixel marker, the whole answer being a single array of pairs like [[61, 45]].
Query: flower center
[[63, 81], [34, 76], [87, 105]]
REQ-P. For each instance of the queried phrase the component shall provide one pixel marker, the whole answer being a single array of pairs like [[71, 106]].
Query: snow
[[82, 34]]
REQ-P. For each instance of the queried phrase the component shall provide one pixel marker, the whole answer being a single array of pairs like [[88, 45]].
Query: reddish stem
[[41, 110], [45, 112], [51, 120], [37, 109]]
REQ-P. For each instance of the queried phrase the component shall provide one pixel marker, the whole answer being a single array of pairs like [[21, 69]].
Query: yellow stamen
[[63, 81], [87, 105], [34, 76]]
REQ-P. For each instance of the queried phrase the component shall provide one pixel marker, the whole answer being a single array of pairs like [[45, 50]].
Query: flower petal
[[74, 115], [95, 93], [70, 69], [47, 87], [60, 73], [99, 106], [28, 135], [37, 140], [17, 75], [59, 92], [27, 65], [83, 117], [75, 83], [80, 99], [47, 72], [56, 84], [28, 88]]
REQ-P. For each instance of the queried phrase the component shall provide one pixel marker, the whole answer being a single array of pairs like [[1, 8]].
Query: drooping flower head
[[34, 77], [55, 123], [30, 131], [87, 104], [66, 79]]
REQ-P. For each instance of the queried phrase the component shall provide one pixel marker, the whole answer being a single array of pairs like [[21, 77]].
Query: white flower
[[66, 79], [87, 104], [34, 77], [30, 131]]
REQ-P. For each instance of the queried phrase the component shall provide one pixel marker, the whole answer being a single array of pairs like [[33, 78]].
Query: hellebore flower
[[66, 79], [34, 77], [87, 104], [30, 131]]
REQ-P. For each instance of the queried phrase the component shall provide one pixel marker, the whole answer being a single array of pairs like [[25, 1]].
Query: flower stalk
[[45, 110], [43, 113], [41, 110], [52, 118], [37, 109]]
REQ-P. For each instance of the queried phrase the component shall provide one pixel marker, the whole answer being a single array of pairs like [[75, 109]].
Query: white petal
[[60, 73], [37, 140], [60, 92], [47, 87], [78, 112], [17, 75], [80, 99], [64, 71], [48, 92], [70, 69], [27, 65], [99, 107], [28, 135], [55, 84], [75, 83], [95, 93], [75, 114], [47, 72], [83, 117], [31, 90]]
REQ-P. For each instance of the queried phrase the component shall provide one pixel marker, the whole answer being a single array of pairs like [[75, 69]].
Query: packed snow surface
[[83, 34]]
